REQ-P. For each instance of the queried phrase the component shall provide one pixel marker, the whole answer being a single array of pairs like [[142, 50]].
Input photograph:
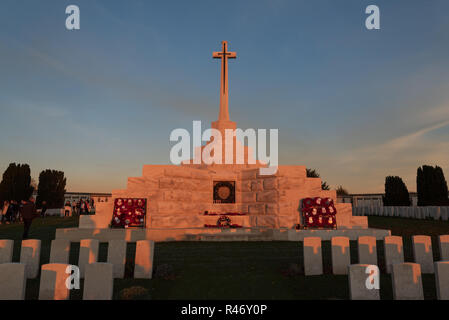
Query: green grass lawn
[[236, 270]]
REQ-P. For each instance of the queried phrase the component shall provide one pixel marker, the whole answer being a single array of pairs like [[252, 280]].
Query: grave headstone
[[444, 247], [117, 257], [313, 259], [88, 253], [12, 281], [52, 284], [367, 250], [30, 254], [393, 250], [341, 256], [59, 251], [442, 279], [6, 249], [358, 287], [422, 253], [144, 259], [407, 282], [98, 282]]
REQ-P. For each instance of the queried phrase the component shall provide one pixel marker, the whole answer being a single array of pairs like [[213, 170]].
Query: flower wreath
[[224, 222]]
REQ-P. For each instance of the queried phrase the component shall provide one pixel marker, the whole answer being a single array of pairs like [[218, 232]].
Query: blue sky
[[100, 102]]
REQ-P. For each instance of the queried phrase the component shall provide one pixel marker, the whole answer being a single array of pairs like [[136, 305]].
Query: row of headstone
[[55, 283], [435, 213], [88, 254], [406, 281], [367, 253]]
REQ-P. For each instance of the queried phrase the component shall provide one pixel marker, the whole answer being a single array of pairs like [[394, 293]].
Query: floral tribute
[[223, 222], [129, 212], [319, 213]]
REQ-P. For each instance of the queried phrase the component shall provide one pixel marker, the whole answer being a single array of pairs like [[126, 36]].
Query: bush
[[396, 192], [431, 186], [312, 173], [51, 189], [16, 183]]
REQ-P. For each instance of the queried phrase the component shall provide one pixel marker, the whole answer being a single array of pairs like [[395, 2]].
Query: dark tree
[[51, 189], [431, 186], [342, 191], [396, 192], [312, 173], [16, 183]]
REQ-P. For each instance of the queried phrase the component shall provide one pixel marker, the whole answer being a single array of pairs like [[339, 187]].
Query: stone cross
[[224, 55]]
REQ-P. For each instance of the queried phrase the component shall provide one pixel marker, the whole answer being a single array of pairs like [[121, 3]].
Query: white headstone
[[367, 250], [117, 257], [422, 253], [60, 251], [341, 256], [143, 268], [361, 285], [442, 279], [12, 281], [313, 259], [53, 282], [30, 254], [444, 247], [88, 253], [407, 282], [393, 250], [6, 250], [98, 282]]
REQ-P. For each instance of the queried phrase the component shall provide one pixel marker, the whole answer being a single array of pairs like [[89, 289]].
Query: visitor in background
[[4, 211], [11, 211], [28, 212], [67, 210], [87, 207], [44, 209], [74, 207]]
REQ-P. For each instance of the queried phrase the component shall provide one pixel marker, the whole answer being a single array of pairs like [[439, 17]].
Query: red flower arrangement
[[129, 212], [319, 213]]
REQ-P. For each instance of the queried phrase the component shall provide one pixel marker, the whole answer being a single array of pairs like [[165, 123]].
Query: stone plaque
[[224, 191]]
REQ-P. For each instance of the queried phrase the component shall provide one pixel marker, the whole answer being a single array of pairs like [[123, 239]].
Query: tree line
[[17, 185], [431, 187]]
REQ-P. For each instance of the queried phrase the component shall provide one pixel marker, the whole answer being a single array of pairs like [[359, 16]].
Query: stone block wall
[[178, 196]]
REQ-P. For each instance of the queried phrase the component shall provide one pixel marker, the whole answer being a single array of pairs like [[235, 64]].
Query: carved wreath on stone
[[224, 192], [224, 222]]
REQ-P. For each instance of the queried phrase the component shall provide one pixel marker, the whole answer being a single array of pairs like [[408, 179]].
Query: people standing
[[28, 212], [74, 207], [67, 210], [4, 211], [44, 208]]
